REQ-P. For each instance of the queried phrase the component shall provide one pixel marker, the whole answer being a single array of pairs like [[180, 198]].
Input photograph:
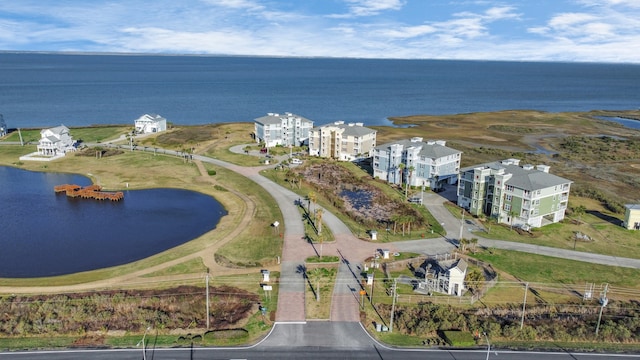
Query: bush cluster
[[134, 310], [620, 324]]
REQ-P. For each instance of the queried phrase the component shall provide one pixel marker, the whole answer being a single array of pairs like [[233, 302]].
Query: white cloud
[[588, 30], [358, 8]]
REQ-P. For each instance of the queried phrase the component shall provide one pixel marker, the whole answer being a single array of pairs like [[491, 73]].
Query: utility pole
[[524, 304], [393, 305], [603, 302], [461, 225], [373, 284], [207, 286]]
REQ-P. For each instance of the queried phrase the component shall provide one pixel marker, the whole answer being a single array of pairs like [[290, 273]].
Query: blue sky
[[521, 30]]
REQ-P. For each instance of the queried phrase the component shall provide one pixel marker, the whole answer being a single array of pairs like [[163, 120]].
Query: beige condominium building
[[340, 141]]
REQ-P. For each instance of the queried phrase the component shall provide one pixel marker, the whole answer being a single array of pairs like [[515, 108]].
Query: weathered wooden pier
[[88, 192]]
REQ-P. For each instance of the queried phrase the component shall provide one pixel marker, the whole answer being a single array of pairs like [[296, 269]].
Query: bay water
[[44, 90]]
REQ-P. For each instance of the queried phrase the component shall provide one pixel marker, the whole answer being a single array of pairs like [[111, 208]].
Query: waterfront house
[[282, 130], [340, 141], [416, 163], [524, 196], [55, 141], [150, 123], [632, 217]]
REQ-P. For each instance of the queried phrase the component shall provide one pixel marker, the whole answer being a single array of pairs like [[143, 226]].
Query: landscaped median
[[320, 275]]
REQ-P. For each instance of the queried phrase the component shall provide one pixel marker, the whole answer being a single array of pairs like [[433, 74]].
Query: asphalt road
[[313, 340]]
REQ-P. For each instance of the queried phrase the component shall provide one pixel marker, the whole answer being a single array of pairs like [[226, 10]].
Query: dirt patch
[[98, 152], [89, 341]]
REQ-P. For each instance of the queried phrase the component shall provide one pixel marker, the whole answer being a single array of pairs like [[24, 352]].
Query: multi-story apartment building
[[526, 196], [285, 130], [416, 163], [345, 142]]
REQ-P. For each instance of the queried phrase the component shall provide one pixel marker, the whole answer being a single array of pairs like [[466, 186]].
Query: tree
[[473, 242], [406, 186], [579, 211], [312, 197], [396, 219], [512, 215], [401, 167], [319, 213], [473, 279], [463, 244]]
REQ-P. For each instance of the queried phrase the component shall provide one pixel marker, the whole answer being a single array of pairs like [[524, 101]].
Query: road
[[313, 340]]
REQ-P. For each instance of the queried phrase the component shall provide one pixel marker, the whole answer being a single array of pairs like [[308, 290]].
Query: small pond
[[630, 123], [48, 234]]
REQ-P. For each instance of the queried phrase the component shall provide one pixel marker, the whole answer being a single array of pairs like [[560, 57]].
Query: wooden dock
[[88, 192]]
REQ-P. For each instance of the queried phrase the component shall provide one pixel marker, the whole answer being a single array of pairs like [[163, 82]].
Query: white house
[[345, 142], [55, 141], [3, 127], [445, 277], [147, 124], [284, 130], [417, 163]]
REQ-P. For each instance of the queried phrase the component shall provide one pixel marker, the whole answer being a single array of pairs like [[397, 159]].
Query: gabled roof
[[532, 179], [461, 265], [431, 151], [58, 130], [151, 118], [521, 177], [349, 129], [274, 119]]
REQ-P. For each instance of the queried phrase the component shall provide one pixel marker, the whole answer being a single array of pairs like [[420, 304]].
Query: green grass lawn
[[544, 269], [602, 226], [89, 134]]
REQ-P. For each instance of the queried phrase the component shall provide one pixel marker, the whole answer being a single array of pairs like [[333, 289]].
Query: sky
[[517, 30]]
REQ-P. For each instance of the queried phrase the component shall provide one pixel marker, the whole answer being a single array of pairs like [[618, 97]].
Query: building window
[[509, 197], [508, 188], [507, 207]]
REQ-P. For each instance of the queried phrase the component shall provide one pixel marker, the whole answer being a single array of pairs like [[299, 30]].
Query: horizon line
[[162, 54]]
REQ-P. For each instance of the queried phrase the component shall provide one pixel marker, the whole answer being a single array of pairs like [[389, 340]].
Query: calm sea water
[[41, 90], [44, 234]]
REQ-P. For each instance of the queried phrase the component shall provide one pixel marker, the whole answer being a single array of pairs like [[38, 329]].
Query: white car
[[296, 161]]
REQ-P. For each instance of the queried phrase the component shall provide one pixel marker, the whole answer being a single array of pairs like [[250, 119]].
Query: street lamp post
[[144, 352], [488, 344]]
